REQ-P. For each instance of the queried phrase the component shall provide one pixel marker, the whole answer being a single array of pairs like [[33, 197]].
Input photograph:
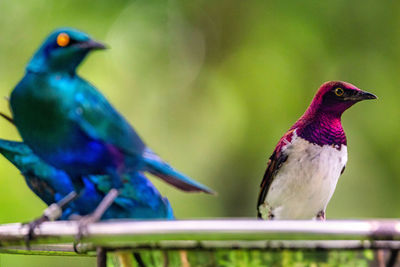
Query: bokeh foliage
[[245, 258], [212, 85]]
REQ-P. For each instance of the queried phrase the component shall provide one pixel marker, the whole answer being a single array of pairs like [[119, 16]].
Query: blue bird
[[138, 199], [69, 124]]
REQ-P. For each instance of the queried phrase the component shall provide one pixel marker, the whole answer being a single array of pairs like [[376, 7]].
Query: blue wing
[[155, 165]]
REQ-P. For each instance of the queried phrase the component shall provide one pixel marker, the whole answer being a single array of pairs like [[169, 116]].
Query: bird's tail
[[12, 150], [156, 166]]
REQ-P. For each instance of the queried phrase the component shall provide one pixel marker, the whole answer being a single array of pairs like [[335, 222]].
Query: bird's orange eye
[[339, 91], [63, 39]]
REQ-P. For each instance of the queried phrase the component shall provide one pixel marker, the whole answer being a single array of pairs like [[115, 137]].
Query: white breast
[[306, 181]]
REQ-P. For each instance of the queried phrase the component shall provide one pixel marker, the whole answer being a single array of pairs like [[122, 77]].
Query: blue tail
[[155, 165], [139, 199]]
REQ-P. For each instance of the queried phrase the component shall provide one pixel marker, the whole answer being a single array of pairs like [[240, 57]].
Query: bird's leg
[[321, 216], [52, 213], [97, 214], [103, 206], [67, 199]]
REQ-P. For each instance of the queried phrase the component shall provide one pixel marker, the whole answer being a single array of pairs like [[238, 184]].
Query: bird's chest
[[42, 110], [40, 106], [306, 181]]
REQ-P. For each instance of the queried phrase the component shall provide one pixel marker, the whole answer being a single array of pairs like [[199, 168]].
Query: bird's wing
[[275, 162], [98, 119], [156, 166]]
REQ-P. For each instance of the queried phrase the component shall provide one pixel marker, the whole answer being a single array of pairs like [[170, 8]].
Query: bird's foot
[[97, 214], [265, 211], [321, 216], [83, 223], [31, 229], [53, 212]]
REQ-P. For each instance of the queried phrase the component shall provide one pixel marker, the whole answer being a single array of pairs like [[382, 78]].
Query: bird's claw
[[83, 224], [31, 229], [321, 216], [52, 213], [96, 215]]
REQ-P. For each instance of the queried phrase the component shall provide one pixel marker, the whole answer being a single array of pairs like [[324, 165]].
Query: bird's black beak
[[92, 45], [361, 95]]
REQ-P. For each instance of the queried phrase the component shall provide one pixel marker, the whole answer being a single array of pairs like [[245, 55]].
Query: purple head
[[335, 97], [321, 123]]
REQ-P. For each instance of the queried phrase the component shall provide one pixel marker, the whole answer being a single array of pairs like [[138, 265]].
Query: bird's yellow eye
[[63, 39], [339, 91]]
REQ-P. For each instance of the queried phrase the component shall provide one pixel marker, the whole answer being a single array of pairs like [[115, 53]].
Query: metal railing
[[56, 238]]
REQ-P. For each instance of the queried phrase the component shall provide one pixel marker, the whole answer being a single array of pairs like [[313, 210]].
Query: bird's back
[[69, 124]]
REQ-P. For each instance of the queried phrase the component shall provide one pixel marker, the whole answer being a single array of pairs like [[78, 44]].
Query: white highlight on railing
[[198, 234]]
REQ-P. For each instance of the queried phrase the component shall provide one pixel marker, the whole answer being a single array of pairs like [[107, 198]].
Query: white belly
[[306, 181]]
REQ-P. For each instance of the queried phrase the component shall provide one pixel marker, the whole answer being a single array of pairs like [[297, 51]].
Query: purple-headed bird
[[305, 166]]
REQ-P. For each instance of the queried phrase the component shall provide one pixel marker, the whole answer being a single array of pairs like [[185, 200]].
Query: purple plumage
[[305, 166]]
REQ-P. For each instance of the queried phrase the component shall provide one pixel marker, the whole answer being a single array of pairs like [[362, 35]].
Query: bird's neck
[[44, 71], [321, 128]]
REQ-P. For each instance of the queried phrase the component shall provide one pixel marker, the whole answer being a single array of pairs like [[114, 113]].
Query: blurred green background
[[212, 85]]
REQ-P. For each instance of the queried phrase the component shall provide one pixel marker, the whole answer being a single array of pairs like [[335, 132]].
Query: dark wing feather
[[274, 164], [344, 167]]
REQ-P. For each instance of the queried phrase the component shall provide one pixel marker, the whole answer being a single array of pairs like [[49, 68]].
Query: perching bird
[[305, 166], [138, 198], [71, 125]]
